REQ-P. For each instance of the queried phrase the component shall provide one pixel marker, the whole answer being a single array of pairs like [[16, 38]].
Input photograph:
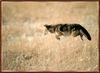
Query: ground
[[26, 48]]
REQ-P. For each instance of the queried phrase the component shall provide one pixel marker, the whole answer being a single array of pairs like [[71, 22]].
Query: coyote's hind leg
[[75, 33], [81, 35]]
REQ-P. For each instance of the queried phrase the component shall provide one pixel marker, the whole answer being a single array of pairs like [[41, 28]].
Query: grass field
[[26, 48]]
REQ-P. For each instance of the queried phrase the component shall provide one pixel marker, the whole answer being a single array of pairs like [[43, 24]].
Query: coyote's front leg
[[58, 36]]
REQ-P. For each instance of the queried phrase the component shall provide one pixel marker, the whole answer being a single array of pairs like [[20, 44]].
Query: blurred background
[[26, 48]]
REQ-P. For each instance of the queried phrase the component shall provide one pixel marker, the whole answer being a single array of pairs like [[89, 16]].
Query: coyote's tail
[[85, 33]]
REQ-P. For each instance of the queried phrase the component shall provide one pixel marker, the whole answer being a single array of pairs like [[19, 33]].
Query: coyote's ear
[[46, 25]]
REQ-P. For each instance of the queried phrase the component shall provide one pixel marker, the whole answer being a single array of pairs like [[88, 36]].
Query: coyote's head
[[50, 28]]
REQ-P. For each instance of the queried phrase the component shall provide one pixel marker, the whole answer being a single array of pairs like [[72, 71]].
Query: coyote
[[68, 29]]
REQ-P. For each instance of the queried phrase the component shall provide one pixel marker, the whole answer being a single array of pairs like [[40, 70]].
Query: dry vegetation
[[26, 48]]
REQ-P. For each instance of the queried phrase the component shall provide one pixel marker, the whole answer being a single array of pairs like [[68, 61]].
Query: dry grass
[[26, 48]]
